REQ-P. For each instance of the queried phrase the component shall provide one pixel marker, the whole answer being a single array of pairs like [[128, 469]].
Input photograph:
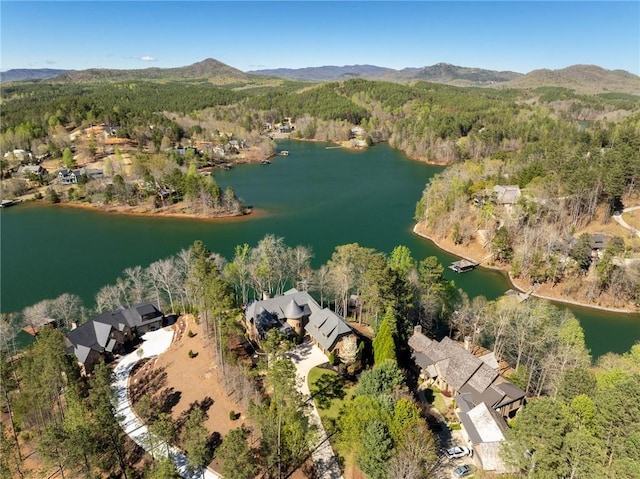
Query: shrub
[[192, 354], [232, 415], [191, 334], [332, 358]]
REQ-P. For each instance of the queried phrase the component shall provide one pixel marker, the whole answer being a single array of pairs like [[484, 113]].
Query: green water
[[316, 196]]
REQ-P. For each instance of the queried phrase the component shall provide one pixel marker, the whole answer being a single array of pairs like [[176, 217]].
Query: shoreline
[[516, 284], [123, 211]]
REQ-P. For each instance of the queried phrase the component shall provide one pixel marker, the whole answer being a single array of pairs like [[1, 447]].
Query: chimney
[[265, 295], [417, 329], [74, 325], [467, 343]]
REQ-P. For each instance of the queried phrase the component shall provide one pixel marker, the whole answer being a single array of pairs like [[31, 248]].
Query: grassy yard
[[437, 400], [329, 392], [633, 218]]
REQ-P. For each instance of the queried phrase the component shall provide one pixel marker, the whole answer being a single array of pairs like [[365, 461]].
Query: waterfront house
[[28, 170], [484, 398], [68, 177], [110, 332], [296, 313]]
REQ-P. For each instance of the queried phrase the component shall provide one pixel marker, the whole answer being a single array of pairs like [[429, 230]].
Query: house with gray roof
[[68, 177], [485, 429], [484, 398], [296, 313], [109, 332], [26, 171], [450, 367], [507, 194]]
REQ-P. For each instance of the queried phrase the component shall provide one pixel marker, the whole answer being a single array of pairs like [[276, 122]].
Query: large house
[[506, 194], [484, 398], [108, 333], [296, 312]]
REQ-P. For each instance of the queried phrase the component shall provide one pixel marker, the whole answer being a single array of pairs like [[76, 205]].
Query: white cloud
[[147, 58]]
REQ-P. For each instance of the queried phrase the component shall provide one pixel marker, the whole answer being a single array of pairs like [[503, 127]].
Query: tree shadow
[[213, 442], [326, 389], [168, 399], [429, 396], [149, 383], [203, 405]]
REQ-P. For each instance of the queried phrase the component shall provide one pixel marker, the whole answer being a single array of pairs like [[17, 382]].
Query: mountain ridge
[[582, 78]]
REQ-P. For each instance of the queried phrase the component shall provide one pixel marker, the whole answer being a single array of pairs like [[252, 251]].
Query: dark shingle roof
[[511, 392], [326, 327], [277, 306], [292, 310], [419, 342], [483, 377]]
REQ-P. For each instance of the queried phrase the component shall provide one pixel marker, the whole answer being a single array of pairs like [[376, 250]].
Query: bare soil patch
[[179, 382]]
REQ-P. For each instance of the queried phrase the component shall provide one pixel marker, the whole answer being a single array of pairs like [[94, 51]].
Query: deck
[[463, 266]]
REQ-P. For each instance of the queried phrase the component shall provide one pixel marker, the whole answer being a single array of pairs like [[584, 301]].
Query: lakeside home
[[296, 313], [484, 398], [110, 333]]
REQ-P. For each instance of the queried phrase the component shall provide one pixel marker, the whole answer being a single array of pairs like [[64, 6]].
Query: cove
[[315, 196]]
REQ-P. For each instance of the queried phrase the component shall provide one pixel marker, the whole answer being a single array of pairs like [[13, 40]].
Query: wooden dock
[[463, 266]]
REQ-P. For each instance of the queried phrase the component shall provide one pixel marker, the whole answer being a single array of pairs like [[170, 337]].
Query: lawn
[[330, 391], [633, 218], [436, 399]]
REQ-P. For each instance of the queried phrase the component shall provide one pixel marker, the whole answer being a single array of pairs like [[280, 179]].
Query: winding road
[[155, 343], [305, 357], [620, 220]]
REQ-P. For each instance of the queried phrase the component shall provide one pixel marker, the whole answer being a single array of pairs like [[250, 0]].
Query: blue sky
[[516, 35]]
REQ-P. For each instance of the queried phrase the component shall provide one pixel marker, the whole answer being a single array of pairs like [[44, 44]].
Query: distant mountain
[[440, 73], [208, 69], [581, 78], [452, 74], [327, 73], [22, 74]]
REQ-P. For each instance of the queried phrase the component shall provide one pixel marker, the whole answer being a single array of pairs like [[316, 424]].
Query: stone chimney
[[467, 343], [265, 295], [417, 328], [74, 325]]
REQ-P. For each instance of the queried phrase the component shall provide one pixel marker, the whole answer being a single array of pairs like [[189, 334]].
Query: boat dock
[[463, 266], [7, 203]]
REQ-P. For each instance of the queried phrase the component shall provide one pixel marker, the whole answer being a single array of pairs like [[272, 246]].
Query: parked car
[[457, 451], [463, 471]]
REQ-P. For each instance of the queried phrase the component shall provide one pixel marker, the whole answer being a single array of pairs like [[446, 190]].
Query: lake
[[315, 196]]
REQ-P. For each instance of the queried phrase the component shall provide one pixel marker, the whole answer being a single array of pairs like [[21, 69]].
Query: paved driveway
[[306, 356], [155, 343], [620, 220]]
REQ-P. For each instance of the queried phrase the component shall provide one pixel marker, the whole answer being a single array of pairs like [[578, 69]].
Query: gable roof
[[96, 334], [277, 305], [484, 424], [475, 378], [326, 327], [507, 194], [92, 335]]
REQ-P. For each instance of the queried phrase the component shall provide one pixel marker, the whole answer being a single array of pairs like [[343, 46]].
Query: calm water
[[316, 197]]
